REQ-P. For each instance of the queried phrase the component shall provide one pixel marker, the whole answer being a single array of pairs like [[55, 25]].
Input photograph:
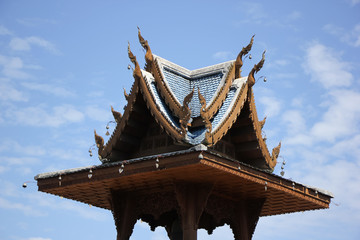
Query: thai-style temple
[[186, 153]]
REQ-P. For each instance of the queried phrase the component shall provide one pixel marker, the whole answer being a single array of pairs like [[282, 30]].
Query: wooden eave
[[231, 118], [215, 105], [164, 90], [232, 180], [270, 160]]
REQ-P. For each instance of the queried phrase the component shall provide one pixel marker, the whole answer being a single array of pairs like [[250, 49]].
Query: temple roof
[[192, 107]]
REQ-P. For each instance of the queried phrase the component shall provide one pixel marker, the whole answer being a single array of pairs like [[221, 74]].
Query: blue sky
[[62, 64]]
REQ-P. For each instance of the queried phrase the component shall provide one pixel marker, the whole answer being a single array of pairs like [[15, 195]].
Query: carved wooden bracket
[[192, 199], [124, 212], [245, 218], [255, 69], [238, 61]]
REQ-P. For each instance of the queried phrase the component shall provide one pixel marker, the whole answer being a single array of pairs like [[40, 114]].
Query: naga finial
[[185, 113], [148, 55], [205, 118], [255, 69], [117, 115], [275, 152], [238, 61], [137, 71], [99, 141], [262, 123]]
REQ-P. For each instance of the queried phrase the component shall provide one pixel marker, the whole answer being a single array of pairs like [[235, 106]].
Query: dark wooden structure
[[187, 153]]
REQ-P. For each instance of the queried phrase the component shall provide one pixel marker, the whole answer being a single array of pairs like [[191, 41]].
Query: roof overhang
[[147, 175]]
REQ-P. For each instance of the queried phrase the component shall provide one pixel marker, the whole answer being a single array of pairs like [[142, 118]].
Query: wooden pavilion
[[186, 153]]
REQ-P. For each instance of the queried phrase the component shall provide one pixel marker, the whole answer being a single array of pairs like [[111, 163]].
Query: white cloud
[[12, 67], [26, 209], [294, 15], [294, 121], [354, 2], [341, 118], [38, 238], [49, 89], [25, 44], [272, 105], [4, 31], [350, 37], [19, 160], [9, 93], [325, 66], [40, 117], [98, 114], [223, 55]]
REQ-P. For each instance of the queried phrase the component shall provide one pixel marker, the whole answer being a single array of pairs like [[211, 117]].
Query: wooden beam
[[247, 146], [192, 199]]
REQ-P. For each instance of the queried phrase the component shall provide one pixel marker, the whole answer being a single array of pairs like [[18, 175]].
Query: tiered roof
[[213, 106]]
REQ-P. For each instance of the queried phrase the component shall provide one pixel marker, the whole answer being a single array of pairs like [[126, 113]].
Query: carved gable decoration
[[213, 106]]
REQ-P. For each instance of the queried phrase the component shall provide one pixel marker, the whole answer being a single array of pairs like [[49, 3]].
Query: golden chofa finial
[[255, 69], [239, 61]]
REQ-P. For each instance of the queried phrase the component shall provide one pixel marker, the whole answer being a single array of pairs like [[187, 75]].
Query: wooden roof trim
[[121, 123], [152, 66], [158, 115], [239, 61], [257, 125], [217, 102], [232, 116], [165, 92]]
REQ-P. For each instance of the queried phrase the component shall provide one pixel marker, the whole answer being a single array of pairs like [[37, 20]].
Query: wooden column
[[245, 217], [124, 212], [192, 200]]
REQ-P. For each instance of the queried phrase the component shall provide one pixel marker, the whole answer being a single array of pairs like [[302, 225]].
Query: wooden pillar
[[192, 200], [124, 213], [245, 217]]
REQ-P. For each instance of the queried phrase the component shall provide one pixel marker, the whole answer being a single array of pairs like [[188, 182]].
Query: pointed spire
[[275, 152], [137, 71], [262, 123], [239, 61], [99, 141], [117, 115], [255, 69], [148, 55]]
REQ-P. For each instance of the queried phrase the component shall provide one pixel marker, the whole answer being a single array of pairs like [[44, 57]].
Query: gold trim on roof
[[270, 161], [232, 116]]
